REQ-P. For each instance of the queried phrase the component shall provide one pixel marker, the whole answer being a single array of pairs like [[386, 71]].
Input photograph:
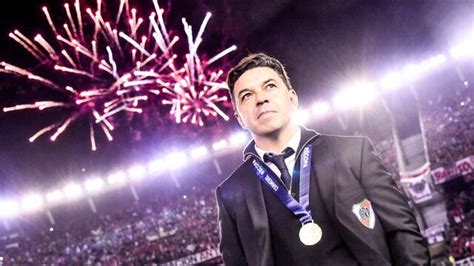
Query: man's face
[[263, 103]]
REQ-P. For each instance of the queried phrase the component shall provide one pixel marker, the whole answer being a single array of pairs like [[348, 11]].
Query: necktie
[[279, 161]]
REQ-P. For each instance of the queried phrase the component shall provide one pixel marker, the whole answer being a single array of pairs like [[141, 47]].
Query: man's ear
[[240, 120], [294, 99]]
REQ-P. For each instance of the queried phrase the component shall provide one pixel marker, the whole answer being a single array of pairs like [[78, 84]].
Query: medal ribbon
[[274, 185]]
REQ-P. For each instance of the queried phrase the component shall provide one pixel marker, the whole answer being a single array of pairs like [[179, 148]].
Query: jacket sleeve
[[406, 244], [229, 245]]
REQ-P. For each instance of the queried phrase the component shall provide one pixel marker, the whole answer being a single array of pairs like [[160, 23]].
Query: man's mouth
[[264, 113]]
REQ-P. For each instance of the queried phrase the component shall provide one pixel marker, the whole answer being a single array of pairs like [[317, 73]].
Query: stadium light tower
[[32, 202], [320, 108], [117, 178], [94, 185], [54, 196], [199, 152], [463, 49], [238, 138], [155, 166], [219, 145], [301, 116], [391, 81], [8, 209], [359, 94], [137, 172], [72, 191], [175, 160]]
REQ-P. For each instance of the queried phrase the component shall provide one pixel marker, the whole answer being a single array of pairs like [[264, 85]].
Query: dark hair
[[253, 61]]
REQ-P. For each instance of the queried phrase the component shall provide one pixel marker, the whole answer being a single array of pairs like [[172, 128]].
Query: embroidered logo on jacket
[[364, 212]]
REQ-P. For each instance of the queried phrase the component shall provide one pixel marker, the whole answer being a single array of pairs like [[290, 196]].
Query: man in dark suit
[[339, 205]]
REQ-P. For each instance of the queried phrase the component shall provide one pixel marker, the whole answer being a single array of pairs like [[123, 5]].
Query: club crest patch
[[364, 212]]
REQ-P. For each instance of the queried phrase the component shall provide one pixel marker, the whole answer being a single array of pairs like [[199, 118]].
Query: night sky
[[322, 43]]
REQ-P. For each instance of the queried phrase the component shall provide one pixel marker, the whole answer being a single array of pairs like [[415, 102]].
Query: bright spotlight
[[221, 144], [72, 191], [137, 172], [117, 178], [94, 184], [358, 94], [8, 209], [54, 196], [463, 49], [301, 116], [238, 138], [320, 108], [391, 81], [155, 166], [32, 202], [412, 72], [199, 152], [175, 160], [434, 61]]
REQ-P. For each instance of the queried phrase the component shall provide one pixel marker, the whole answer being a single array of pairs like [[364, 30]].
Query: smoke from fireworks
[[108, 66]]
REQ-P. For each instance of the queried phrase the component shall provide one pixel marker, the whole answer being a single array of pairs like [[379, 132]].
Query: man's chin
[[268, 131]]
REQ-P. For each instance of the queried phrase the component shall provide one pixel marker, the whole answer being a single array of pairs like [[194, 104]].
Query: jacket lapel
[[257, 211]]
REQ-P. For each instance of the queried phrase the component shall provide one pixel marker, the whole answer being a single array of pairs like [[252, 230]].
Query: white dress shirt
[[291, 160]]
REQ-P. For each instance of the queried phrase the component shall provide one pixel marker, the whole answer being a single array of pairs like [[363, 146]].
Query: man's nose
[[261, 97]]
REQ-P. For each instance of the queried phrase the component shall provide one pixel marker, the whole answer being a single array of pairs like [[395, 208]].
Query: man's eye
[[245, 96], [271, 85]]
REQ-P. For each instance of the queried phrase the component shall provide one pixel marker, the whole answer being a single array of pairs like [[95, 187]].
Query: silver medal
[[310, 234]]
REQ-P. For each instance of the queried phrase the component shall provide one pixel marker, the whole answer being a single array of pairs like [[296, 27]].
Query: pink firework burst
[[108, 65]]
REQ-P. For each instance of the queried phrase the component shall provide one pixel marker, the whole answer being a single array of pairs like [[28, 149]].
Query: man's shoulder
[[235, 178], [343, 142]]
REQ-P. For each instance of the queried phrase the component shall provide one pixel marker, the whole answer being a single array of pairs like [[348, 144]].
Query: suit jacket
[[347, 172]]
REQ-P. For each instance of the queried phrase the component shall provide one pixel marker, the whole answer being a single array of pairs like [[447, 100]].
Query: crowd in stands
[[460, 232], [449, 126], [156, 231]]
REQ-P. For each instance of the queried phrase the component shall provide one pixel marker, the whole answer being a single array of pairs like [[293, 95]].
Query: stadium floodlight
[[359, 94], [137, 172], [434, 61], [463, 49], [155, 166], [72, 191], [238, 138], [175, 160], [391, 81], [117, 178], [301, 116], [8, 209], [219, 145], [94, 184], [412, 72], [198, 152], [32, 202], [320, 108], [54, 196]]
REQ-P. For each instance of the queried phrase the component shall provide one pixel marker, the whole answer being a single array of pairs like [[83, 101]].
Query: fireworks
[[106, 66]]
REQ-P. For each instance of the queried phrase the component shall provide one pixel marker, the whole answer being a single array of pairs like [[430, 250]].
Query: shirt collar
[[293, 143]]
